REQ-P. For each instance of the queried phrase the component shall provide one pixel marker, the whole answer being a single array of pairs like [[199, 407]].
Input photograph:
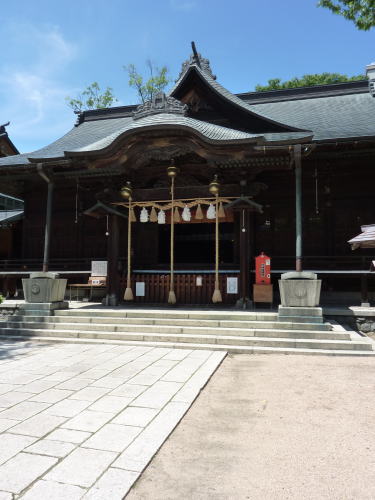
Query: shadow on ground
[[14, 349]]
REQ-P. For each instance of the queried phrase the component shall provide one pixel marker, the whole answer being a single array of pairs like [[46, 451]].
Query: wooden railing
[[187, 287], [323, 262]]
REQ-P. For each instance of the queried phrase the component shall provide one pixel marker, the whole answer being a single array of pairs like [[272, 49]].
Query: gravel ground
[[272, 427]]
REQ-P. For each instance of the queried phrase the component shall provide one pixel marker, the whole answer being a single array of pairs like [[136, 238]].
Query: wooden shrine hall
[[179, 194]]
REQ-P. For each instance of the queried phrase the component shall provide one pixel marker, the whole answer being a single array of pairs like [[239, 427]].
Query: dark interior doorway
[[195, 243]]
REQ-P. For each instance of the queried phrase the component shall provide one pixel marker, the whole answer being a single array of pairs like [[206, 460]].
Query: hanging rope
[[172, 295], [76, 219], [107, 227], [216, 297], [316, 192], [128, 291]]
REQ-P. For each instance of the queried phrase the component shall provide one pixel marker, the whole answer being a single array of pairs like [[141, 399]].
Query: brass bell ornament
[[214, 186], [126, 191]]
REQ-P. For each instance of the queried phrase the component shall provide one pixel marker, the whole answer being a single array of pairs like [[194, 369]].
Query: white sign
[[140, 289], [98, 268], [198, 281], [232, 285]]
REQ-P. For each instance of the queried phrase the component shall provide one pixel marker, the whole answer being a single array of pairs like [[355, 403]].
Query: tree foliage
[[307, 81], [92, 98], [361, 12], [147, 88]]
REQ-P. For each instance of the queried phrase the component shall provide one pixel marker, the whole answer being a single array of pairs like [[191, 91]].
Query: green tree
[[361, 12], [147, 88], [92, 98], [308, 81]]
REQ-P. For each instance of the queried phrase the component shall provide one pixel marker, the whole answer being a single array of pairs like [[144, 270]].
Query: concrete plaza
[[83, 421]]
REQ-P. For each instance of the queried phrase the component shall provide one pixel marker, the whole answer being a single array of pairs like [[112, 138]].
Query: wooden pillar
[[113, 278], [364, 291], [298, 176], [47, 229]]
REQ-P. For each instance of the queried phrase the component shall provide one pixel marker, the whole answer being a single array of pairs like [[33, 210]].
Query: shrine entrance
[[195, 250]]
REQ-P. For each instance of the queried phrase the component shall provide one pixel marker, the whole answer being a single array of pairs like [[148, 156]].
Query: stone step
[[195, 338], [167, 314], [174, 322], [234, 349], [195, 330]]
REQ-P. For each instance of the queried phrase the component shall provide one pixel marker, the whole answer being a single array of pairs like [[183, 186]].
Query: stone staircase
[[232, 331]]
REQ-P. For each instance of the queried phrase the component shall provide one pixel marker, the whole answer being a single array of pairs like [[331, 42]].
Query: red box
[[262, 269]]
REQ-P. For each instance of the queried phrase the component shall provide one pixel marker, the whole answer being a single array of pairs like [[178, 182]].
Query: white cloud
[[32, 96]]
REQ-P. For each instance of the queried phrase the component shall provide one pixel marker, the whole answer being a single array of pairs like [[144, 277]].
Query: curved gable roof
[[95, 136], [228, 97]]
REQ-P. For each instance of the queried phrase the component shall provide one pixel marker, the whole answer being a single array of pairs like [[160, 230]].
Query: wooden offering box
[[263, 293]]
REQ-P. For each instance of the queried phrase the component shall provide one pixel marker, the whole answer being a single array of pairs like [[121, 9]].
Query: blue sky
[[52, 49]]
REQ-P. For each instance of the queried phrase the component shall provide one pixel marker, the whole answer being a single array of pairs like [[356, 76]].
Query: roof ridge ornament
[[197, 60], [2, 128], [370, 72], [160, 103]]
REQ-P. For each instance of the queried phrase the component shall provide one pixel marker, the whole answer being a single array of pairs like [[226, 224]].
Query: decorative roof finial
[[2, 128], [160, 103], [196, 60], [370, 72], [195, 54]]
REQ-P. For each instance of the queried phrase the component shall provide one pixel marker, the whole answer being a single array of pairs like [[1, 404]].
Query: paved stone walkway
[[83, 421]]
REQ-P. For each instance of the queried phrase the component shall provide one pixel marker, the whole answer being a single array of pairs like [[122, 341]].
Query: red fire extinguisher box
[[263, 289]]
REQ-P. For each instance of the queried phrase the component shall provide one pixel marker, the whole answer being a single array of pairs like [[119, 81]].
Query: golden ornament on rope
[[126, 192], [214, 188], [172, 172]]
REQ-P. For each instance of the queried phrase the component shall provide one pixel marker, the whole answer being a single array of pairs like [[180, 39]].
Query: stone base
[[244, 304], [42, 308], [365, 304], [301, 314], [110, 300]]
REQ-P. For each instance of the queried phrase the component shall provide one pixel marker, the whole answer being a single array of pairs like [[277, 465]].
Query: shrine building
[[182, 192]]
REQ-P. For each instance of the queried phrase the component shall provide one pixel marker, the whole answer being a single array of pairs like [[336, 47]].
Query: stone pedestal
[[44, 287], [110, 300], [301, 314], [244, 304], [41, 308], [299, 289]]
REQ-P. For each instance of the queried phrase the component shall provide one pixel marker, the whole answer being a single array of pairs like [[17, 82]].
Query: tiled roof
[[330, 118], [94, 136], [364, 240], [10, 215], [331, 112]]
